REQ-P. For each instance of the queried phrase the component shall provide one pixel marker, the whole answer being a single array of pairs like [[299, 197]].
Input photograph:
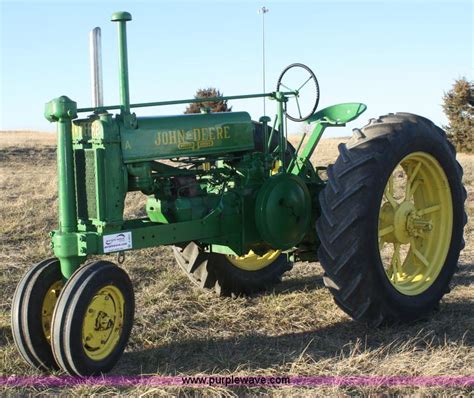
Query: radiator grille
[[85, 183]]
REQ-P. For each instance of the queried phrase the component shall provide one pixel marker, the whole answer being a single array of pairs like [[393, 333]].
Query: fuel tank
[[161, 137]]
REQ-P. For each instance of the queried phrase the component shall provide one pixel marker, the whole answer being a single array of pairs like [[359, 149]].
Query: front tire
[[32, 308], [362, 217], [93, 319]]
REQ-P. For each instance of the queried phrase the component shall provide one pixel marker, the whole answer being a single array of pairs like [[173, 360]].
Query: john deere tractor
[[238, 204]]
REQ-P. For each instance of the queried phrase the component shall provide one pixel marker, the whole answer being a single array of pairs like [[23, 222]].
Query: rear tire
[[215, 271], [350, 227]]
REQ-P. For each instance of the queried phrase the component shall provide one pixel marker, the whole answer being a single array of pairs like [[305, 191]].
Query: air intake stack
[[122, 17]]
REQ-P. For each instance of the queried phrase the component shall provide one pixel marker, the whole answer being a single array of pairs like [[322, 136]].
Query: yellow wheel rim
[[254, 262], [103, 322], [47, 308], [415, 223]]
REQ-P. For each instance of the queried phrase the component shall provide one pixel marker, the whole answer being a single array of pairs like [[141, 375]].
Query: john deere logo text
[[193, 139]]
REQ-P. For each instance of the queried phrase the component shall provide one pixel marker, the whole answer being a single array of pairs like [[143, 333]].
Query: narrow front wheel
[[93, 319], [32, 309]]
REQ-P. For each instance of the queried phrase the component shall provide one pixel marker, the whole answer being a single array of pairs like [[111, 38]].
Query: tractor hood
[[198, 135]]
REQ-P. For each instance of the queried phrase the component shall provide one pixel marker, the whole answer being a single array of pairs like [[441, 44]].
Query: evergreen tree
[[220, 106], [459, 108]]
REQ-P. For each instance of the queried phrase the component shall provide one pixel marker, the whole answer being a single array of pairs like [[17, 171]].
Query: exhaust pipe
[[95, 53]]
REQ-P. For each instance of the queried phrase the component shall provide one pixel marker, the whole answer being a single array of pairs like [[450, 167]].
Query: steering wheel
[[301, 80]]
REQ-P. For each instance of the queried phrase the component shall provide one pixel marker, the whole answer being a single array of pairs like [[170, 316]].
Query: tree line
[[458, 105]]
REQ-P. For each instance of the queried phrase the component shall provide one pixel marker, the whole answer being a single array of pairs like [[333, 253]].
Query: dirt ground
[[180, 330]]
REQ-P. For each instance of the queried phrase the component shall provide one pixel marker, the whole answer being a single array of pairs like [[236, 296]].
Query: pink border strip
[[303, 381]]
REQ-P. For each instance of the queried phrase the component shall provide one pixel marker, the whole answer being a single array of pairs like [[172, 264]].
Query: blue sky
[[391, 55]]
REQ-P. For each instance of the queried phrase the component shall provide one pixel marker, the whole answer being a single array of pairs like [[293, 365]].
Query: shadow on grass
[[464, 276], [258, 351], [306, 283], [5, 335]]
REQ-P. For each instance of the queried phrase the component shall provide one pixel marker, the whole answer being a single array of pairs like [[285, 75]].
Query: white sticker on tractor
[[117, 242]]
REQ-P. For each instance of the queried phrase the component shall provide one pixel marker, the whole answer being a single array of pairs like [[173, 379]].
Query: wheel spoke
[[386, 230], [412, 255], [298, 105], [289, 89], [395, 263], [412, 189], [420, 257], [411, 178], [304, 84], [381, 244], [391, 274], [428, 210], [389, 193]]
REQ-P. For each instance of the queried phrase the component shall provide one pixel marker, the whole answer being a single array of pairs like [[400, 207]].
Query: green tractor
[[239, 205]]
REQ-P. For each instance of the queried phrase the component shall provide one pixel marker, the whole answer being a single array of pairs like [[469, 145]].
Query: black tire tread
[[62, 328], [350, 183], [213, 271], [32, 345]]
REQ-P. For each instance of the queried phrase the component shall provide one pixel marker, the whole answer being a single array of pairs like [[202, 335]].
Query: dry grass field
[[180, 330]]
